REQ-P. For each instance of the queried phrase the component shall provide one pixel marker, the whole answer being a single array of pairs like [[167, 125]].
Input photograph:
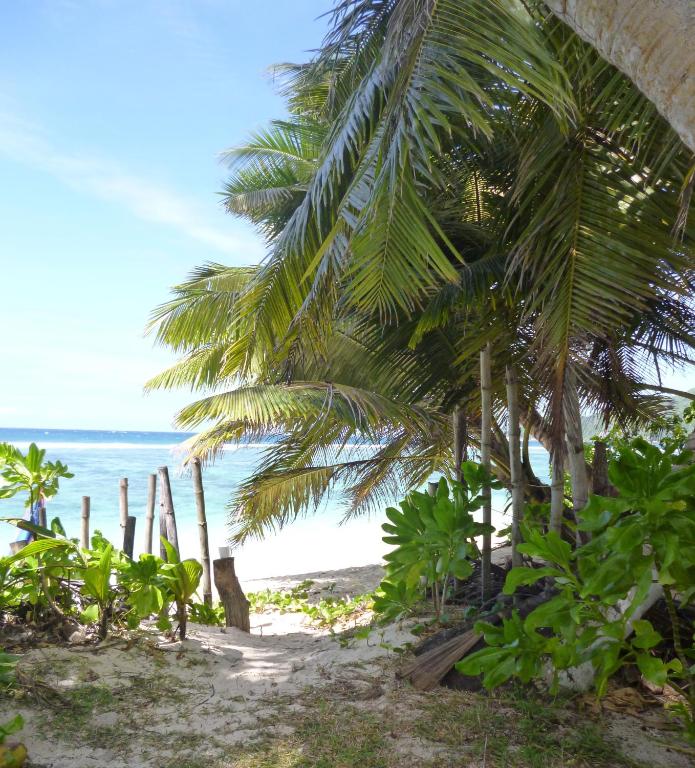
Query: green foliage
[[434, 538], [325, 612], [182, 578], [53, 576], [211, 615], [29, 473], [642, 539]]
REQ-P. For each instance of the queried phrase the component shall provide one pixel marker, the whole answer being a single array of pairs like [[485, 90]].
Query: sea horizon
[[100, 458]]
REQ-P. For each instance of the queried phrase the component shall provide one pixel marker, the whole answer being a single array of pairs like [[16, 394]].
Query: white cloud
[[105, 179]]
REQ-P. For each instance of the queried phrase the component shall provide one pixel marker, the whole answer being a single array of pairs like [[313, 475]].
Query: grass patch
[[517, 731]]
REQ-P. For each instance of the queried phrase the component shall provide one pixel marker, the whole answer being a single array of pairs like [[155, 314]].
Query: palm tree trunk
[[460, 427], [557, 492], [575, 447], [485, 452], [650, 42], [515, 462]]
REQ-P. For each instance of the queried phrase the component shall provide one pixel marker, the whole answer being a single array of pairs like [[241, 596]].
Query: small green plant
[[325, 612], [435, 543], [642, 539], [30, 473], [96, 583], [210, 615], [182, 577]]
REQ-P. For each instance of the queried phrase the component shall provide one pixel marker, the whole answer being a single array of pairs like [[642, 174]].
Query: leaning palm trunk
[[517, 481], [650, 42], [485, 452]]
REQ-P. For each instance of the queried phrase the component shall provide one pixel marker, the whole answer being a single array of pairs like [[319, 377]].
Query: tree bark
[[600, 484], [236, 606], [515, 463], [575, 447], [650, 41], [557, 492], [460, 428], [485, 453]]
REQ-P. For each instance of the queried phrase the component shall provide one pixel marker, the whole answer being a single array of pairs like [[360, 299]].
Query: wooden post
[[149, 511], [162, 530], [236, 606], [515, 462], [485, 460], [84, 537], [197, 473], [129, 535], [166, 505], [123, 501]]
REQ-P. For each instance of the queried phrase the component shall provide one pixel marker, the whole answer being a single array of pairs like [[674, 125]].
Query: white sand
[[206, 701]]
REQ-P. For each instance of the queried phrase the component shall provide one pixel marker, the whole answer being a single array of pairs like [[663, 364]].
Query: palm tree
[[444, 181]]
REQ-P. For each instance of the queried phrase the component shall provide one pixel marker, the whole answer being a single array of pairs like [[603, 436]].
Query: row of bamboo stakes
[[167, 519]]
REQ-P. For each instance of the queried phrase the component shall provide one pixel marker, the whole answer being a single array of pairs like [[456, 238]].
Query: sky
[[113, 114]]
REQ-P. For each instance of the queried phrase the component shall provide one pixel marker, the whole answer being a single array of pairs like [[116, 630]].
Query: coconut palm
[[449, 175]]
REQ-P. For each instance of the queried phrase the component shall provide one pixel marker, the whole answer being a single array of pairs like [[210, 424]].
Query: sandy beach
[[222, 698]]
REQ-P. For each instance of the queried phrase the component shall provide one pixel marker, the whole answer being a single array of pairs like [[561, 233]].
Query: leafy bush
[[642, 539], [30, 473], [435, 542]]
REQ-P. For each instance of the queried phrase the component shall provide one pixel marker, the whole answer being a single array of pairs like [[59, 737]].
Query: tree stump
[[236, 606]]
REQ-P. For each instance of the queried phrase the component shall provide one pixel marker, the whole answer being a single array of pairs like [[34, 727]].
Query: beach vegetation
[[642, 543], [52, 578], [434, 539], [30, 473]]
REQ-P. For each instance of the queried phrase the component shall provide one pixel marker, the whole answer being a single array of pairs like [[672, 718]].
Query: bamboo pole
[[515, 463], [197, 473], [129, 535], [149, 511], [167, 505], [123, 501], [485, 454], [84, 534]]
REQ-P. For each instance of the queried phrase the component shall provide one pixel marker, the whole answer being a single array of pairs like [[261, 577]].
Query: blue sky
[[112, 117]]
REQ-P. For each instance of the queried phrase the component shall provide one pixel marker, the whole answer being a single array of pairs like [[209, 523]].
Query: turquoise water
[[99, 459]]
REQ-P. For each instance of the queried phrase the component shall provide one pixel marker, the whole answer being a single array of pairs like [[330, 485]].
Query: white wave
[[61, 446]]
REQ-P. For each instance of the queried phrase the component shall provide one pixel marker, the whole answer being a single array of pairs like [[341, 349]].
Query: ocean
[[99, 459]]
